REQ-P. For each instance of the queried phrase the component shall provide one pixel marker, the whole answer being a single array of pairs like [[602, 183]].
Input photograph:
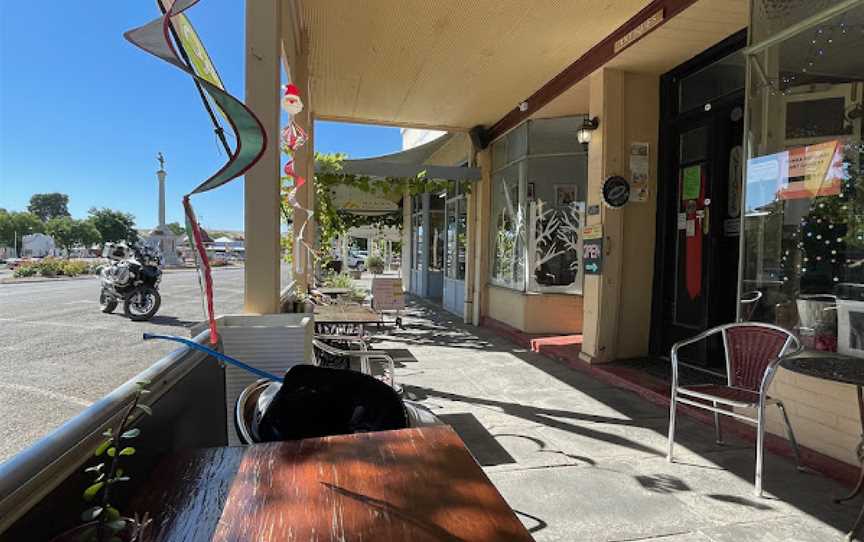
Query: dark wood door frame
[[670, 118]]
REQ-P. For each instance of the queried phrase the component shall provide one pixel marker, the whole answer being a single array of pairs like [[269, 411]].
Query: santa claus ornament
[[291, 102], [294, 137]]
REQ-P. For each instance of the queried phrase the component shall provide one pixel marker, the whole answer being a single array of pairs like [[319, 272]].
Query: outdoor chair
[[356, 356], [753, 351]]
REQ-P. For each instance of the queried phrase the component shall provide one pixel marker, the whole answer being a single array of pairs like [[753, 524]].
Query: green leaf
[[112, 513], [95, 468], [132, 433], [127, 451], [108, 433], [120, 479], [91, 513], [112, 451], [146, 409], [102, 447], [91, 491], [143, 383]]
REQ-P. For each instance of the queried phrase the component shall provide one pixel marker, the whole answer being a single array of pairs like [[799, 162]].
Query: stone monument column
[[161, 235]]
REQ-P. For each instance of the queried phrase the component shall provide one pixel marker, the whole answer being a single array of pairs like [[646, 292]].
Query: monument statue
[[161, 236]]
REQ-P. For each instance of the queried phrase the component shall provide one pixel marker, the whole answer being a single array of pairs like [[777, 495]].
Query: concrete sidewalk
[[580, 460]]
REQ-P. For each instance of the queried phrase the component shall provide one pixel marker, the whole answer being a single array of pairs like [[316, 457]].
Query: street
[[59, 352]]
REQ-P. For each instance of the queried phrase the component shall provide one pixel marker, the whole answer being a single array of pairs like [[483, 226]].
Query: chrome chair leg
[[671, 444], [760, 442], [790, 434], [718, 432]]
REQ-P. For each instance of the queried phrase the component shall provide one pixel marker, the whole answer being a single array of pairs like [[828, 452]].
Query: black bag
[[318, 402]]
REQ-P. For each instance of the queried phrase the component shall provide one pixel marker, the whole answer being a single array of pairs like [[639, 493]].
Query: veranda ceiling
[[448, 64]]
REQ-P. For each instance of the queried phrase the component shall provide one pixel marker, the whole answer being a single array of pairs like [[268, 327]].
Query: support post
[[261, 189]]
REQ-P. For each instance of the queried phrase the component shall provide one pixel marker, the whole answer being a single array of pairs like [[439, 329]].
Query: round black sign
[[616, 191]]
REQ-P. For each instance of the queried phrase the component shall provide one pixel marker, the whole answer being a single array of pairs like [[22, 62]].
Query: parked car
[[357, 259]]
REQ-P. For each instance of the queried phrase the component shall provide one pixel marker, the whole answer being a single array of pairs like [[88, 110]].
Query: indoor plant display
[[102, 521]]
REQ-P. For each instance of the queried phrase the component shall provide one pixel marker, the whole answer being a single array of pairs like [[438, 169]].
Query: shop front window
[[538, 204], [508, 230], [803, 250], [457, 223], [436, 232], [417, 240]]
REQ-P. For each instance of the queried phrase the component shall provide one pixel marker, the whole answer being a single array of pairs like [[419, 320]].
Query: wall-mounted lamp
[[583, 134]]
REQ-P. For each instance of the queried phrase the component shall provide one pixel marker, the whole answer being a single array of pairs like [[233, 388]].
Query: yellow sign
[[592, 232], [634, 35]]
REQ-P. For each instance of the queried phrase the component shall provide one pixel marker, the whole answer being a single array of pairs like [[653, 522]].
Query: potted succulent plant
[[102, 522], [375, 264]]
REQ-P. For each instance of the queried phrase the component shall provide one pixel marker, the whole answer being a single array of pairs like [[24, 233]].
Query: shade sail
[[409, 163]]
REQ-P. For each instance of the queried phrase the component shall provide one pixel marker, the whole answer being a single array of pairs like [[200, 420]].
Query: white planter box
[[271, 342]]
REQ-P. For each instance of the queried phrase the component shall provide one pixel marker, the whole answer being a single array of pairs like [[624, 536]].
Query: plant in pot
[[375, 264], [102, 522]]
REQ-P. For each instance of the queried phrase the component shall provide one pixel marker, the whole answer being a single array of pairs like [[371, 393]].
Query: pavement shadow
[[172, 321], [810, 493]]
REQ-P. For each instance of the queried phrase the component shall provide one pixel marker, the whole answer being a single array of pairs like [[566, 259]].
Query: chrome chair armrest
[[686, 342], [363, 355], [345, 338]]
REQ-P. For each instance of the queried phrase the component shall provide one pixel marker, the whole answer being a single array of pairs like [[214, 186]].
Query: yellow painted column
[[261, 190], [482, 198], [617, 303], [602, 292]]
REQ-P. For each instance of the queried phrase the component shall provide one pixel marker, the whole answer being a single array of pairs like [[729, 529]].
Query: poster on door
[[639, 169]]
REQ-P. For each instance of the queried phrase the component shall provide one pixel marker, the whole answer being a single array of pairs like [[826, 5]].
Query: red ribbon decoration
[[693, 277], [204, 264]]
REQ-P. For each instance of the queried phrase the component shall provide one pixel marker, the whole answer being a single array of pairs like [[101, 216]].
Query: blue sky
[[83, 112]]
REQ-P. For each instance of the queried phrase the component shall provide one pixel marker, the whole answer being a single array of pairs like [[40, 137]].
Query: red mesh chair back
[[749, 350]]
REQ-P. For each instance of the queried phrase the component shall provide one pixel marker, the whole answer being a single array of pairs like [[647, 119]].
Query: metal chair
[[753, 351], [325, 352]]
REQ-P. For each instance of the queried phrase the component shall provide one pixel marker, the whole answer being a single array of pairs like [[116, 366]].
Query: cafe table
[[347, 319], [846, 370], [334, 292], [417, 485]]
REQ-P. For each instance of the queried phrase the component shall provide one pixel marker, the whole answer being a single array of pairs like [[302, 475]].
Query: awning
[[409, 163]]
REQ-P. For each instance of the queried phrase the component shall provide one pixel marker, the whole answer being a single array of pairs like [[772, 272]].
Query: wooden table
[[335, 292], [345, 314], [409, 485], [845, 370], [344, 319]]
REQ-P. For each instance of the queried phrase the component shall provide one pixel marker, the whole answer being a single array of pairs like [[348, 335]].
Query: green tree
[[114, 226], [48, 206], [176, 228], [14, 226], [68, 232]]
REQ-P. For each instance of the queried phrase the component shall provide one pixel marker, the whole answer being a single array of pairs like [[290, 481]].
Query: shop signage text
[[634, 35], [592, 249]]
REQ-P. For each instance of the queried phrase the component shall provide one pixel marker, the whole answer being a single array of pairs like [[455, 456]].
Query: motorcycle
[[133, 280]]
